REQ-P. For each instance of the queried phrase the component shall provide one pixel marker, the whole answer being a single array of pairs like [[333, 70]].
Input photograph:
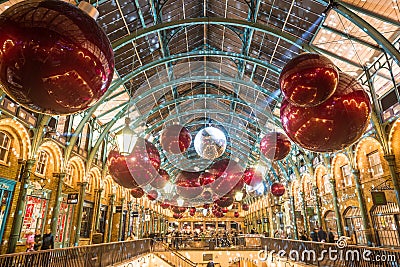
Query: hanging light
[[180, 201], [126, 139], [239, 196]]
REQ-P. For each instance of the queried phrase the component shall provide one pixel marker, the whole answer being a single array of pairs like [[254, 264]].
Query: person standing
[[314, 235], [331, 236], [38, 240], [48, 240], [30, 242], [210, 264], [322, 236], [304, 236]]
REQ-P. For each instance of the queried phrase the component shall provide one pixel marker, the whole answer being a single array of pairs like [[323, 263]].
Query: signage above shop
[[385, 186], [265, 220], [135, 214], [72, 198], [118, 209]]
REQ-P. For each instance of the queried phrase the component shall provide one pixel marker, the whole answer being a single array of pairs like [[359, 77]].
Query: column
[[317, 205], [121, 230], [56, 210], [305, 219], [98, 208], [363, 208], [110, 218], [20, 207], [129, 218], [293, 213], [80, 211], [392, 168], [336, 208]]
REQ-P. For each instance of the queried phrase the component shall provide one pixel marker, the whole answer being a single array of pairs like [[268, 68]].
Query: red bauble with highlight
[[165, 205], [152, 195], [117, 166], [137, 192], [55, 58], [224, 201], [252, 177], [333, 125], [308, 80], [160, 180], [236, 214], [228, 176], [278, 189], [188, 184], [177, 216], [245, 207], [275, 146], [175, 139]]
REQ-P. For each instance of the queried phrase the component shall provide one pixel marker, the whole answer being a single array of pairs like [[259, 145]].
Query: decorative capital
[[391, 159]]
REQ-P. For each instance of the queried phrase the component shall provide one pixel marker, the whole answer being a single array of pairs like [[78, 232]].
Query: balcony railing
[[87, 256]]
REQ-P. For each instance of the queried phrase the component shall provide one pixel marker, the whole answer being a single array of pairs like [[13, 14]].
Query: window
[[69, 175], [375, 163], [327, 185], [89, 186], [346, 173], [5, 143], [42, 162]]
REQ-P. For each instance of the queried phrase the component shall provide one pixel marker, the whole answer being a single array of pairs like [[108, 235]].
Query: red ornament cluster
[[277, 189], [54, 58], [275, 146], [175, 139]]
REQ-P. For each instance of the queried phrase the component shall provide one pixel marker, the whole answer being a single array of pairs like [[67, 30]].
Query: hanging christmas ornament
[[275, 146], [175, 139], [210, 143], [137, 192], [277, 189]]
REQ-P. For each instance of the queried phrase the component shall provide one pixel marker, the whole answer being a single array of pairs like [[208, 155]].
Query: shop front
[[331, 223], [386, 221], [354, 225], [6, 192], [64, 224], [87, 216], [102, 219]]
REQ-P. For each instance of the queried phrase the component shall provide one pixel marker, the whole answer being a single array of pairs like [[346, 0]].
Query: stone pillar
[[293, 213], [110, 218], [80, 211], [20, 207], [56, 210], [129, 218], [98, 208], [391, 160], [305, 217], [121, 229], [363, 208], [317, 205], [336, 207]]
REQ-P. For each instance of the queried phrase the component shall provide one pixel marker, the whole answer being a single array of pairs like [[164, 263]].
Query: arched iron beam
[[292, 39]]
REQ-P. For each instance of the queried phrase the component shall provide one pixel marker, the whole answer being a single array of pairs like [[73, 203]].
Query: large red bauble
[[144, 162], [164, 205], [245, 207], [206, 206], [333, 125], [308, 80], [117, 166], [236, 214], [177, 216], [137, 192], [175, 139], [160, 180], [177, 209], [275, 146], [206, 178], [188, 184], [252, 177], [55, 58], [192, 213], [192, 209], [277, 189], [224, 201], [228, 174], [152, 195], [224, 210]]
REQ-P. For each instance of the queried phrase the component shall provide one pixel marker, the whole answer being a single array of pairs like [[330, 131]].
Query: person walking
[[331, 236], [322, 236], [48, 240]]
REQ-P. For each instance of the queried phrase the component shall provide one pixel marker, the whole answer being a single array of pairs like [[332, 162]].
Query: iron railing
[[171, 256], [100, 255]]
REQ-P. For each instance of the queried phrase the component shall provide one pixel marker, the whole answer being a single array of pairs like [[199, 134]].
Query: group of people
[[319, 235], [37, 241]]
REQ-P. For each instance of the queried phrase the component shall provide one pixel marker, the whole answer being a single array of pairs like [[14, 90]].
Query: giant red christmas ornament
[[160, 180], [55, 58], [137, 192], [236, 214], [252, 177], [152, 195], [333, 125], [245, 207], [165, 205], [275, 146], [117, 166], [177, 216], [188, 184], [192, 209], [224, 201], [277, 189], [206, 178], [228, 174], [175, 139], [144, 162], [308, 80], [177, 209], [224, 210]]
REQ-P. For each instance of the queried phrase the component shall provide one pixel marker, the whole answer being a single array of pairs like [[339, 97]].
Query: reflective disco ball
[[275, 146], [188, 184], [55, 58], [210, 143], [308, 80], [252, 177], [245, 207], [333, 125], [160, 180], [144, 162], [119, 171], [175, 139], [277, 189], [137, 192]]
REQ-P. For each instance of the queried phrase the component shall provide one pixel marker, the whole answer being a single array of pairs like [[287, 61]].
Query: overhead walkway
[[248, 252]]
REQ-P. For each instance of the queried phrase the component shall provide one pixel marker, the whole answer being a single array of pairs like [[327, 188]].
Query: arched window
[[5, 143], [89, 186], [346, 173], [69, 175], [43, 157], [327, 185]]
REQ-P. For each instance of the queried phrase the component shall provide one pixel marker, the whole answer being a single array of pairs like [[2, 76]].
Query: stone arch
[[55, 152], [365, 147], [306, 185], [95, 171], [338, 162], [78, 169], [394, 141], [108, 186], [320, 172], [18, 132]]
